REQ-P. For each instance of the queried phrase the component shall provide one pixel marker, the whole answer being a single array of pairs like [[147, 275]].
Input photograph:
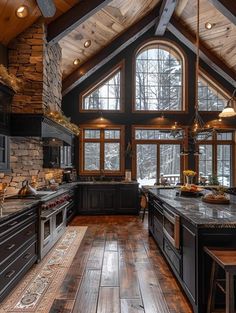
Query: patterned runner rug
[[37, 290]]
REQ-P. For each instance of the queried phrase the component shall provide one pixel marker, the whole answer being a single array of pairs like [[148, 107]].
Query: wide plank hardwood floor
[[118, 268]]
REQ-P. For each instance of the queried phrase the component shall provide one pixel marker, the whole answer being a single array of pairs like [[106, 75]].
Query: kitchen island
[[182, 226]]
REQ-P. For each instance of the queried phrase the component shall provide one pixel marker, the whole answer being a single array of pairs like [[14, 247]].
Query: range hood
[[37, 125]]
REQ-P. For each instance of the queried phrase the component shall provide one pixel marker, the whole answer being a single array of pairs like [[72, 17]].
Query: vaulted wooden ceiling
[[109, 20]]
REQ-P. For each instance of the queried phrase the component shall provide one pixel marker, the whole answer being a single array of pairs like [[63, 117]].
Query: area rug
[[37, 290]]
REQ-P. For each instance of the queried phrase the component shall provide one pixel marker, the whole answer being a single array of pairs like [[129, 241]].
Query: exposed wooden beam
[[166, 11], [227, 8], [177, 29], [109, 52], [68, 21], [47, 7]]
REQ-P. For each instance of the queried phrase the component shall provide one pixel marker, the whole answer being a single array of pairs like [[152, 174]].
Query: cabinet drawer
[[12, 244], [16, 221], [172, 257], [158, 232], [13, 270]]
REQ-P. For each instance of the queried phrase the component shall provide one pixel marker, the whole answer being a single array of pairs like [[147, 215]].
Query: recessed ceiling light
[[208, 25], [22, 11], [87, 43], [76, 61]]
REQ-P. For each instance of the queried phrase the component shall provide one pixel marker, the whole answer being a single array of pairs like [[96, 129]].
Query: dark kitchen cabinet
[[4, 153], [18, 246], [189, 260], [108, 198], [6, 95]]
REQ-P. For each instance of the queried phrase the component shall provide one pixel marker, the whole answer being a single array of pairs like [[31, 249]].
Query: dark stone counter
[[13, 205], [199, 213]]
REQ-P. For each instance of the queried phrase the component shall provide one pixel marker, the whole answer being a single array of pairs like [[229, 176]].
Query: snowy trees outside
[[209, 99], [106, 97], [158, 80], [109, 150]]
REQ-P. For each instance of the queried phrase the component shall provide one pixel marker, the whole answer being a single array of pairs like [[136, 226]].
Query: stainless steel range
[[52, 220]]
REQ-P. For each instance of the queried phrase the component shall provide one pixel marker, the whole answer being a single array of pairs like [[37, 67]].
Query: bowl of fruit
[[217, 196], [190, 190]]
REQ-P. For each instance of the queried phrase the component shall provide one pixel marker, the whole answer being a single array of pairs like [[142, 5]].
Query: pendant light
[[228, 111], [198, 125]]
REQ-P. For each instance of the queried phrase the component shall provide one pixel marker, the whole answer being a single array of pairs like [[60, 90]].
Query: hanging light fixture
[[198, 125], [229, 111]]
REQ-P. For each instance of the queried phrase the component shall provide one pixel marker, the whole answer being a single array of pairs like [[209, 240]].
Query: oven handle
[[169, 216], [55, 212]]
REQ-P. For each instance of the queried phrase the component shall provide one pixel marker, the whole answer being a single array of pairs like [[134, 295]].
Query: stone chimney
[[38, 65]]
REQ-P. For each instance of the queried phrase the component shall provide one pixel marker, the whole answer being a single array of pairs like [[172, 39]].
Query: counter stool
[[226, 259], [143, 203]]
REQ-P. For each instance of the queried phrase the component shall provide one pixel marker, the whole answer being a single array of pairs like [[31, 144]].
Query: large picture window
[[102, 150], [159, 78], [215, 159], [105, 95], [157, 156]]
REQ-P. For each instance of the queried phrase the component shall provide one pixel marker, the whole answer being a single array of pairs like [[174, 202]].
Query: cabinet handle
[[13, 223], [31, 213], [27, 256], [10, 246], [10, 274]]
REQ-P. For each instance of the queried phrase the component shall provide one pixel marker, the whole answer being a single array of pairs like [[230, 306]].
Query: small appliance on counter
[[69, 175]]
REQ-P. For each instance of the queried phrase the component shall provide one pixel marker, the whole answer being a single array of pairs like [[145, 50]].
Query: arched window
[[159, 78]]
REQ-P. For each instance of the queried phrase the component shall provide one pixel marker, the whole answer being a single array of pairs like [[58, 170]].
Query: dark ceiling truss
[[109, 52], [70, 20], [227, 8], [166, 11]]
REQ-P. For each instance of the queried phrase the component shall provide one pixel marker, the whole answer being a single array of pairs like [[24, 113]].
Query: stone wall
[[26, 158], [38, 64], [52, 77]]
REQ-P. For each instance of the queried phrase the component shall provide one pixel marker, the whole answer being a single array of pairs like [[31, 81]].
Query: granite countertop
[[199, 213], [13, 206], [104, 182]]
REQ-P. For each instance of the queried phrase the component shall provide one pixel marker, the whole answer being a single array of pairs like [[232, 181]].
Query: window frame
[[179, 51], [214, 142], [215, 85], [182, 142], [120, 67], [102, 142]]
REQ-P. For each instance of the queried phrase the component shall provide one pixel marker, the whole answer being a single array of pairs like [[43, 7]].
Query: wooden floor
[[118, 269]]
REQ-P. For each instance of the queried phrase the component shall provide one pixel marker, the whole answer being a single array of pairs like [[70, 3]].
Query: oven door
[[171, 227], [46, 232], [59, 221]]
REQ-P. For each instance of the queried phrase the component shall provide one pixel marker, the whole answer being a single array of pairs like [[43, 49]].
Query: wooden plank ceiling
[[110, 22], [13, 26], [101, 29], [221, 39]]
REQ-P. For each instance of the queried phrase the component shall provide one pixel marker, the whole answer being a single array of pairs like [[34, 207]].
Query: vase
[[189, 180]]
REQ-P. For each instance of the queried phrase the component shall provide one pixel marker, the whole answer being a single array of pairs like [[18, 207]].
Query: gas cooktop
[[40, 194]]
